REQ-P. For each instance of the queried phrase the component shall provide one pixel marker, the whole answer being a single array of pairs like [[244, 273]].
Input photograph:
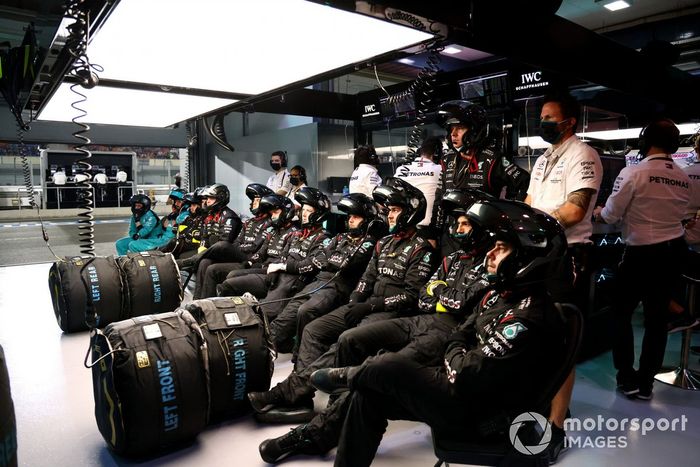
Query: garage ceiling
[[676, 21]]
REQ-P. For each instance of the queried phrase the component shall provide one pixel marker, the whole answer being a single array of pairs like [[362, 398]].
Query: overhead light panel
[[616, 5], [451, 50], [118, 106], [246, 47]]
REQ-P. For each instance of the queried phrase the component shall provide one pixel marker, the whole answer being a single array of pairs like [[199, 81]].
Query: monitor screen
[[489, 91]]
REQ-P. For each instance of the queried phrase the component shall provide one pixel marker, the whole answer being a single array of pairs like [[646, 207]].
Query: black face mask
[[550, 133], [294, 180], [275, 166]]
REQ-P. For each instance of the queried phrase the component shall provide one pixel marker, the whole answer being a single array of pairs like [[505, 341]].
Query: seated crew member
[[475, 161], [512, 327], [342, 263], [277, 236], [297, 265], [143, 229], [453, 291], [220, 223], [400, 265], [223, 257], [179, 211], [188, 234]]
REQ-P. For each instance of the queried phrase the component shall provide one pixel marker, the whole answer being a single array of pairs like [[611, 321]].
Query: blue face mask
[[392, 229], [460, 236]]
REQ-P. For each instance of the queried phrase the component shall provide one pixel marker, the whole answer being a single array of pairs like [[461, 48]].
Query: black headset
[[282, 155], [302, 172], [659, 135]]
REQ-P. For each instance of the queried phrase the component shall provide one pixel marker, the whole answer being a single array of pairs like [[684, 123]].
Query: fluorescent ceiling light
[[633, 133], [451, 50], [119, 106], [246, 47], [617, 5], [407, 61], [535, 142]]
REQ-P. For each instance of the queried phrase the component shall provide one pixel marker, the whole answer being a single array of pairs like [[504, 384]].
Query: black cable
[[84, 71]]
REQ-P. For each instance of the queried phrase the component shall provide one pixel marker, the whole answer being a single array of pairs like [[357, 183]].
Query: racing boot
[[264, 401], [331, 380], [293, 443]]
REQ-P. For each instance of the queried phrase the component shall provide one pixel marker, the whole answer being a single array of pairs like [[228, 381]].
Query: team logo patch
[[367, 245], [426, 258], [511, 331], [327, 242]]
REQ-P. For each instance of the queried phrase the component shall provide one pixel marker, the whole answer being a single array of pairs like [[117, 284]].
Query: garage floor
[[53, 399]]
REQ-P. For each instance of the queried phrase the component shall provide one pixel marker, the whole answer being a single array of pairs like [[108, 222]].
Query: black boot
[[262, 402], [301, 412], [188, 263], [295, 442], [331, 380]]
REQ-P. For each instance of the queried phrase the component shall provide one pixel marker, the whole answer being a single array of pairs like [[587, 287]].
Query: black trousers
[[274, 288], [571, 282], [220, 252], [396, 388], [318, 349], [647, 274], [214, 275], [420, 339], [286, 329]]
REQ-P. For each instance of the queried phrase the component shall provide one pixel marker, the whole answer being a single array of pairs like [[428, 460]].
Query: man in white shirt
[[59, 177], [692, 226], [424, 174], [564, 183], [121, 176], [279, 181], [101, 178], [365, 178], [650, 200]]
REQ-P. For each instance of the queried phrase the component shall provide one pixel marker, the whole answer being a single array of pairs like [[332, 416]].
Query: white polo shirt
[[692, 235], [364, 179], [650, 199], [424, 175], [121, 176], [59, 178], [279, 181], [101, 179], [557, 173]]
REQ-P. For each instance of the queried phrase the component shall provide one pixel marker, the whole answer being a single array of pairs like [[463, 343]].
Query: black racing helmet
[[142, 199], [456, 203], [316, 199], [218, 191], [194, 197], [460, 112], [397, 192], [257, 190], [269, 203], [358, 204], [539, 242]]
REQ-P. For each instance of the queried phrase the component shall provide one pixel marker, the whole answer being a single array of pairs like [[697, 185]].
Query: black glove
[[356, 312], [458, 338], [135, 236], [139, 226]]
